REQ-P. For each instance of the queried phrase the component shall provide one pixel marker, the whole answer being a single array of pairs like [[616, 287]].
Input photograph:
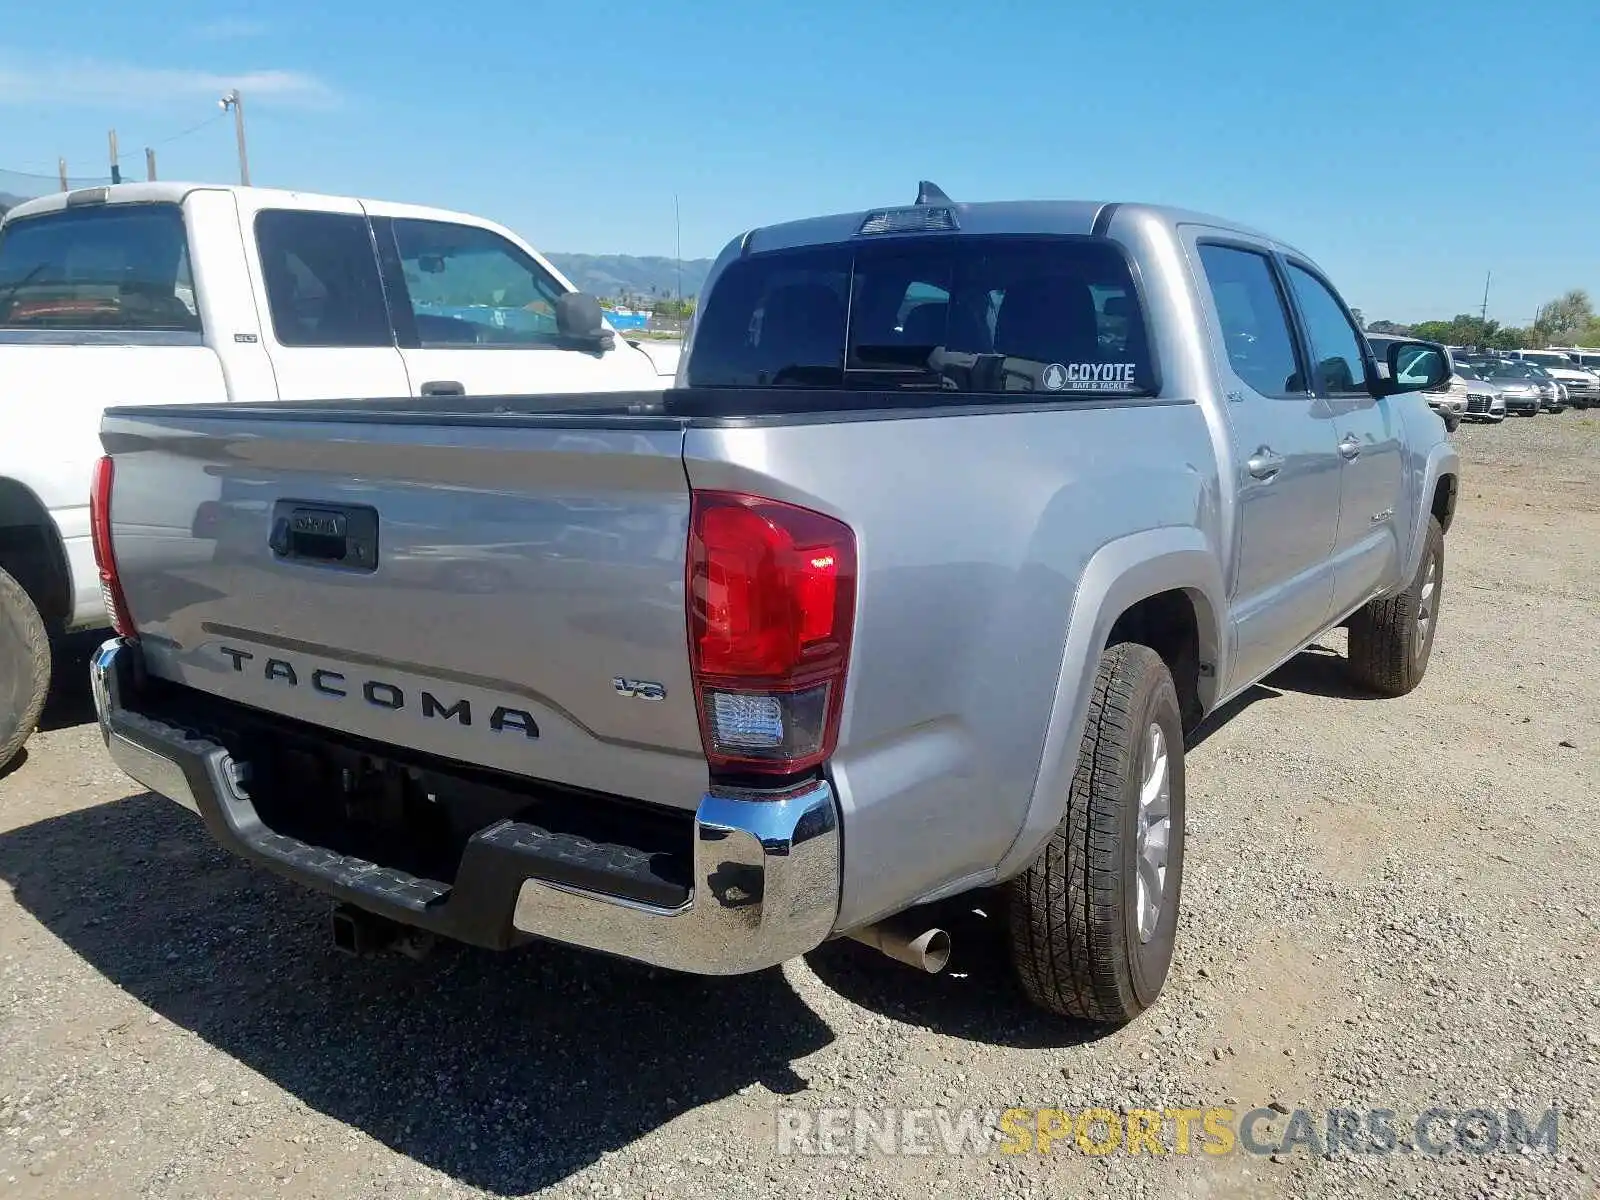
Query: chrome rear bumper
[[765, 879]]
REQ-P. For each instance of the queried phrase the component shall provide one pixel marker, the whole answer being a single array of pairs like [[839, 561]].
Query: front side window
[[1253, 318], [1049, 316], [322, 279], [470, 287], [1338, 368], [113, 267]]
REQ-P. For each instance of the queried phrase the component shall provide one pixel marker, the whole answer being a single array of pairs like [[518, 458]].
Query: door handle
[[1350, 448], [443, 387], [1264, 464]]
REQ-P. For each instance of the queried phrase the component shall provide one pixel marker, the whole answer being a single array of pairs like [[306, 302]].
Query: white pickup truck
[[178, 293]]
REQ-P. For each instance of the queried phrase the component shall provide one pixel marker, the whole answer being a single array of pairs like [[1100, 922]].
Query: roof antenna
[[931, 193]]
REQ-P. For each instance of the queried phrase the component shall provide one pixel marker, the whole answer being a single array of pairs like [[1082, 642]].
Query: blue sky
[[1409, 147]]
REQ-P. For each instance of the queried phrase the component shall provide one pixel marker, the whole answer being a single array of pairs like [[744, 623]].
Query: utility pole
[[61, 167], [116, 169], [678, 226], [1484, 315], [149, 164], [236, 102]]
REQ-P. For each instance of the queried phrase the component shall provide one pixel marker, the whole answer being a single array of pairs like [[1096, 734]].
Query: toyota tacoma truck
[[958, 520], [192, 293]]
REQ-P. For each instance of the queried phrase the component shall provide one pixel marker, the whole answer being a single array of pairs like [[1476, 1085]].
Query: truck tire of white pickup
[[1093, 920], [1391, 638], [24, 667]]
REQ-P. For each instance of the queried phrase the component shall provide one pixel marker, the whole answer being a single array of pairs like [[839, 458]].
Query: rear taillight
[[772, 595], [104, 556]]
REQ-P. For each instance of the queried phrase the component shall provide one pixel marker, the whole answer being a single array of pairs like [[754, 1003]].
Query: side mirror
[[578, 319], [1414, 367]]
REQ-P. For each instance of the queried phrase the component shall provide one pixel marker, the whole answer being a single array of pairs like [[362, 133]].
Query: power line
[[212, 120]]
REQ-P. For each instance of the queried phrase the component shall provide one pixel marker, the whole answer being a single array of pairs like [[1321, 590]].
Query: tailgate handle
[[334, 535]]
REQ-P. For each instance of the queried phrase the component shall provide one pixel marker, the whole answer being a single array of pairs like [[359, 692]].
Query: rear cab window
[[113, 267], [1055, 318]]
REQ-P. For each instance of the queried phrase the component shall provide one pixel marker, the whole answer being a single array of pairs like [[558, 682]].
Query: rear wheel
[[1391, 639], [1094, 919], [24, 667]]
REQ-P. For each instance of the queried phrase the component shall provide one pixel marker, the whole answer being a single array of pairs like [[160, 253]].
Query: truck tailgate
[[508, 594]]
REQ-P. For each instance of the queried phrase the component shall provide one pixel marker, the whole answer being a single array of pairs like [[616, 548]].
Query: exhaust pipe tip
[[908, 941], [932, 950]]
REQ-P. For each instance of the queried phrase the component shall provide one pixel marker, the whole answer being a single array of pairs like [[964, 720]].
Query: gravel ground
[[1387, 905]]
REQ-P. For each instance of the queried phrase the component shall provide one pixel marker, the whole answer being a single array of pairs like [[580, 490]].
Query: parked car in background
[[1519, 385], [914, 587], [1448, 399], [1484, 401], [186, 293], [1552, 392], [1583, 386]]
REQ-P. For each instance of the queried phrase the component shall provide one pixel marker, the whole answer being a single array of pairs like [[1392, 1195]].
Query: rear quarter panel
[[974, 532]]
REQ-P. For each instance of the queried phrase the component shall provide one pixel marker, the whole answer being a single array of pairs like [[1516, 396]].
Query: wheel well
[[1444, 501], [1166, 622], [31, 553]]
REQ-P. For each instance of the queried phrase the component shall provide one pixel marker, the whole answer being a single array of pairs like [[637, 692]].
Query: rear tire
[[1391, 638], [24, 667], [1093, 921]]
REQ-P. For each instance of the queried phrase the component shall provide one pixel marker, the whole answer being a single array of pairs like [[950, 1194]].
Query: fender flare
[[1117, 576], [1442, 460]]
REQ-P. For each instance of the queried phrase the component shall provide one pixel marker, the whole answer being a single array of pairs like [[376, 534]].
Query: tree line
[[1568, 320]]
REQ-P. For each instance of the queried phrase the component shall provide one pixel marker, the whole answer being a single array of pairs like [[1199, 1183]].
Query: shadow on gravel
[[1315, 671], [975, 998], [507, 1071], [70, 701], [1318, 671]]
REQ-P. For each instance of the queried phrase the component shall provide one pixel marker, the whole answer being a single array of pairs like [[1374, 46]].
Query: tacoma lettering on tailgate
[[377, 692]]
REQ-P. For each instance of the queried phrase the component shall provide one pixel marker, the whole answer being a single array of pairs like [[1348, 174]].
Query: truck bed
[[524, 607]]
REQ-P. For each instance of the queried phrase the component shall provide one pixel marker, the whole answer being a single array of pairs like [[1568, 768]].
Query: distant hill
[[606, 275], [8, 202]]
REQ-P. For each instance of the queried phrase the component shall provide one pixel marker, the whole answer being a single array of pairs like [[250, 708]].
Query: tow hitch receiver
[[360, 933]]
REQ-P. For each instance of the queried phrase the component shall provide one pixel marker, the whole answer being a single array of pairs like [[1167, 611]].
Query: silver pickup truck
[[959, 519]]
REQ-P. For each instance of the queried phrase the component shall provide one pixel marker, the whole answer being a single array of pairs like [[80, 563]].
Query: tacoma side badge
[[639, 689]]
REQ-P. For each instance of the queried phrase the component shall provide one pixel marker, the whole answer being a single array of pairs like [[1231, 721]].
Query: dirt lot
[[1388, 905]]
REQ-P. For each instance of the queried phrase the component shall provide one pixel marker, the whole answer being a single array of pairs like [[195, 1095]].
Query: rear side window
[[1254, 320], [114, 267], [1057, 316], [322, 281]]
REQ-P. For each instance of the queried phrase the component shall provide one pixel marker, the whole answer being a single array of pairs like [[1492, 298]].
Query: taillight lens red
[[104, 556], [772, 592]]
